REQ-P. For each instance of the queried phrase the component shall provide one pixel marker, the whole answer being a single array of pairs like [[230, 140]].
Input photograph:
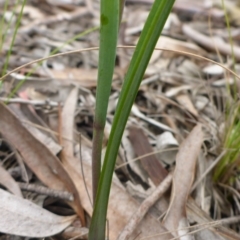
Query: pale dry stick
[[32, 102], [126, 47], [143, 156], [144, 207], [212, 224], [209, 169]]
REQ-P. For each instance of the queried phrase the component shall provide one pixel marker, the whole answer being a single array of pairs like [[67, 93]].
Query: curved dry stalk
[[120, 46]]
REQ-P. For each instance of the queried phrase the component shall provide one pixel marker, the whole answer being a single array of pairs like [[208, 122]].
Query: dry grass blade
[[22, 217], [37, 156], [182, 181], [125, 47]]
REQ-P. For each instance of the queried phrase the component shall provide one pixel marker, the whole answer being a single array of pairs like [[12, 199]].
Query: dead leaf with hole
[[176, 219], [22, 217], [38, 157]]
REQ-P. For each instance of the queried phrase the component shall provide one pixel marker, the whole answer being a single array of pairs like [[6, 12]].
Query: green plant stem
[[109, 17], [14, 36], [3, 31], [231, 44], [121, 8], [151, 32]]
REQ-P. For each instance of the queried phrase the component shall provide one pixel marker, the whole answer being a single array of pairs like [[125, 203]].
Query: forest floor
[[46, 128]]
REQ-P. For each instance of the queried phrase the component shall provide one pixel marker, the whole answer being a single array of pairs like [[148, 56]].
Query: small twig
[[64, 195], [32, 102], [144, 207]]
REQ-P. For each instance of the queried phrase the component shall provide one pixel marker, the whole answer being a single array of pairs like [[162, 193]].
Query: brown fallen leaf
[[183, 176], [24, 218], [150, 163], [38, 157], [8, 181]]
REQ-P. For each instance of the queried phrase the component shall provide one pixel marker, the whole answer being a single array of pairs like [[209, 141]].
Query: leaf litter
[[179, 93]]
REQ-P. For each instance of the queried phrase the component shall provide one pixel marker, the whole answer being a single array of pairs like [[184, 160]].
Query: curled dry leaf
[[24, 218], [176, 219], [38, 157]]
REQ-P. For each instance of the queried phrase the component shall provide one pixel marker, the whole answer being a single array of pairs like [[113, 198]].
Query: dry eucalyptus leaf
[[150, 163], [25, 114], [37, 156], [24, 218], [176, 219], [8, 181]]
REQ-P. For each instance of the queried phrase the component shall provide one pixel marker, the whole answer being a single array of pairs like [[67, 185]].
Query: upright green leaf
[[109, 17], [150, 34]]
